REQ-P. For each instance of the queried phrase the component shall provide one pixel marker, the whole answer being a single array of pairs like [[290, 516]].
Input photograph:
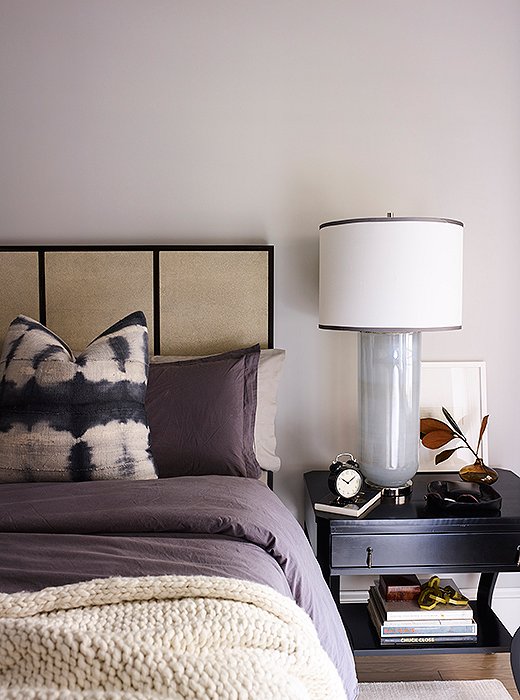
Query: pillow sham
[[201, 414], [74, 419], [268, 378]]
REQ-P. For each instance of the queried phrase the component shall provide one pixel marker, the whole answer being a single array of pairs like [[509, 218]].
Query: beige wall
[[252, 121]]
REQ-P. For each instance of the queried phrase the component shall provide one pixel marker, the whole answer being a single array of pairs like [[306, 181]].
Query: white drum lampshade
[[390, 278]]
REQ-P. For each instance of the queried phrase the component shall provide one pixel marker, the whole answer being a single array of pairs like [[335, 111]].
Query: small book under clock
[[366, 499]]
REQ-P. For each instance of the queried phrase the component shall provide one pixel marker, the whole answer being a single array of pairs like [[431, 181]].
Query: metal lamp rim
[[391, 219]]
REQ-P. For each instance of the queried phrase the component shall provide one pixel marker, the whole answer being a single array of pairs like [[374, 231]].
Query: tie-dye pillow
[[74, 419]]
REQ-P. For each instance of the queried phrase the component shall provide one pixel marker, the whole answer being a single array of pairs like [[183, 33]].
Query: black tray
[[462, 498]]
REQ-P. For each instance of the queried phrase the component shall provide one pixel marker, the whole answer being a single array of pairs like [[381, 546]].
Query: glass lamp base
[[389, 383]]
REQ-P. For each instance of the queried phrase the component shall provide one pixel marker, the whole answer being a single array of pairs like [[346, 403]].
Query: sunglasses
[[462, 498]]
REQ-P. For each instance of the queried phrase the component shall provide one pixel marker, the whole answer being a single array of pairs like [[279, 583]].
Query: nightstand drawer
[[420, 550]]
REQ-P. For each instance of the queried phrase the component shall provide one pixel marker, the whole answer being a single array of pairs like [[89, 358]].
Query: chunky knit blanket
[[178, 637]]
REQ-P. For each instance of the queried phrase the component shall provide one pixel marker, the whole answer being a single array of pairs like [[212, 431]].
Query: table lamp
[[390, 279]]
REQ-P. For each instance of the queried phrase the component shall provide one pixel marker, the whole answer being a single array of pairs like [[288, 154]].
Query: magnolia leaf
[[451, 421], [483, 427], [428, 425], [443, 456], [438, 438]]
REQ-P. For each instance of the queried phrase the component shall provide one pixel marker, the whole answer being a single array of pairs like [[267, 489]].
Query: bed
[[115, 583]]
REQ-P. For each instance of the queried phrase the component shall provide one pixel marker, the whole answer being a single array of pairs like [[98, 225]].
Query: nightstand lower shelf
[[493, 637]]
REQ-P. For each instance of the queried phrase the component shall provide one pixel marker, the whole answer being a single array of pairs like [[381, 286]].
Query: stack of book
[[399, 621]]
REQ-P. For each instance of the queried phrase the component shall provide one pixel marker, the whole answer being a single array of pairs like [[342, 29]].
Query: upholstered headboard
[[197, 299]]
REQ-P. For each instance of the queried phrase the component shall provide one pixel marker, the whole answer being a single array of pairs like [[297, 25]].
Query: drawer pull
[[518, 555], [370, 550]]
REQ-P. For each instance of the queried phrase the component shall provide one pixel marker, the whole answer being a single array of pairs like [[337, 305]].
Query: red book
[[399, 587]]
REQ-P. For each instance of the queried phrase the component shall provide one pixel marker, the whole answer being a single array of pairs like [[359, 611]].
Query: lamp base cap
[[398, 494]]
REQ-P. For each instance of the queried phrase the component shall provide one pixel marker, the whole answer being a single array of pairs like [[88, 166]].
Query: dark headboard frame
[[156, 251]]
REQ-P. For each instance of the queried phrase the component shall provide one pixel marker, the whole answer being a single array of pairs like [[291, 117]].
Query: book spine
[[377, 603], [376, 621], [424, 631], [459, 622], [430, 615], [417, 641]]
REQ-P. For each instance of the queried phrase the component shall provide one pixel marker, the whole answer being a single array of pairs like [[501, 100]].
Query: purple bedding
[[57, 533]]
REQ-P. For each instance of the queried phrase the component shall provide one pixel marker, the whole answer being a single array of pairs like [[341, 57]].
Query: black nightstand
[[408, 539]]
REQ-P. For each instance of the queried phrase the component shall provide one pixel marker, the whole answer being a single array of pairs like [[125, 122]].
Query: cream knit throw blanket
[[178, 637]]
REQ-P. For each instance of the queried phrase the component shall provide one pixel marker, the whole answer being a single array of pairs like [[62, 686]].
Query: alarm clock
[[345, 479]]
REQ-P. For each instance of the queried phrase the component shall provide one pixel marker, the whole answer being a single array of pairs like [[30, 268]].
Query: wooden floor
[[446, 667]]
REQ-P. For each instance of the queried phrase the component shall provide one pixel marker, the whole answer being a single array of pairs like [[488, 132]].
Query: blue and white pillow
[[66, 418]]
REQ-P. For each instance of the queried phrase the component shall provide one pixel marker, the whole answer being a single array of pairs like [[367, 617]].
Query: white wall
[[242, 121]]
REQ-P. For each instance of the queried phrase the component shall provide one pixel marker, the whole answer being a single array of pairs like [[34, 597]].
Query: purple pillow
[[201, 415]]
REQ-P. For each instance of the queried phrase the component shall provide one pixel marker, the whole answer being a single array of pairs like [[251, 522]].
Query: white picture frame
[[461, 388]]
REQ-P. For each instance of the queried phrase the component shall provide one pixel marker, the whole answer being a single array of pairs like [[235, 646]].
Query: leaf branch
[[434, 434]]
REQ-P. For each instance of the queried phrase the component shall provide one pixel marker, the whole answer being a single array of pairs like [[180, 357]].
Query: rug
[[435, 690]]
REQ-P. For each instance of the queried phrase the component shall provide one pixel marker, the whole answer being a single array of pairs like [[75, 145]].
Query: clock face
[[348, 483]]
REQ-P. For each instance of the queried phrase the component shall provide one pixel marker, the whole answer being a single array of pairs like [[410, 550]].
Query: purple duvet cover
[[57, 533]]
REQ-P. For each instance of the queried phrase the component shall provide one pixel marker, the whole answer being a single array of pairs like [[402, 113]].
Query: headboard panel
[[19, 286], [87, 291], [197, 299], [211, 301]]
